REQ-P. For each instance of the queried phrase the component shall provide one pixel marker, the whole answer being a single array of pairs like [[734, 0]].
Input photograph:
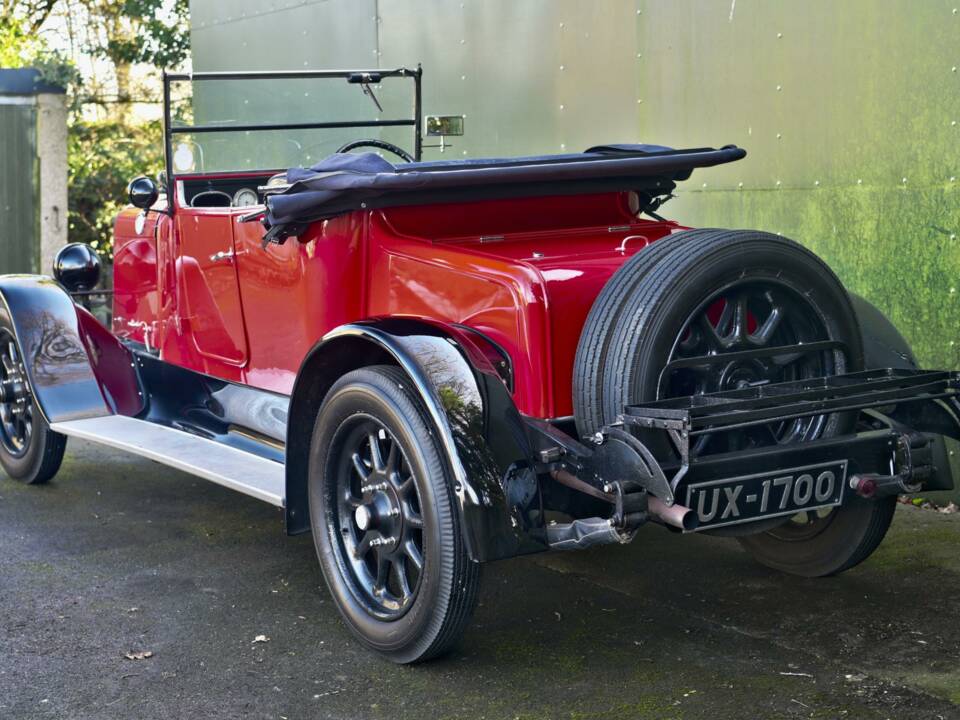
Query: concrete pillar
[[52, 152]]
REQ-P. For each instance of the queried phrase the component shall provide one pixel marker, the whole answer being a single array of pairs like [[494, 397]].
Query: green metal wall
[[19, 244], [849, 109], [850, 113]]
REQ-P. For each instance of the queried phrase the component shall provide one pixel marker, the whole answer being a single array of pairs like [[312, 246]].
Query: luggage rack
[[691, 416]]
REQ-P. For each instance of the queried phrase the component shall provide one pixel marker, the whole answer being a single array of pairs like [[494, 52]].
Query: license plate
[[766, 495]]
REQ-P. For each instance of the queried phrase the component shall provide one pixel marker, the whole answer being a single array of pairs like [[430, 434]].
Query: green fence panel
[[19, 244]]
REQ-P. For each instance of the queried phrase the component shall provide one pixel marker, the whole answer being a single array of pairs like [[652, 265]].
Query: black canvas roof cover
[[346, 182]]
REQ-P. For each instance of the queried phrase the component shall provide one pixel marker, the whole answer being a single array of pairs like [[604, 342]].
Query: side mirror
[[77, 267], [143, 192]]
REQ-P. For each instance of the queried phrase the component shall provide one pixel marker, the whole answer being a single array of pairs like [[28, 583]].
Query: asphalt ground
[[121, 556]]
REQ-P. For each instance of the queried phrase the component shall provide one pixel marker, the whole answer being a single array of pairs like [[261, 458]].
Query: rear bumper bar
[[884, 455], [685, 419]]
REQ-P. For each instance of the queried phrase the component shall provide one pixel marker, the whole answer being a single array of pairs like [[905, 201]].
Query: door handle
[[222, 255]]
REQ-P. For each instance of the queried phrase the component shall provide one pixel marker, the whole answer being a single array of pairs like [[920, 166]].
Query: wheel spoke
[[710, 334], [414, 520], [383, 572], [363, 547], [9, 359], [359, 466], [765, 332], [375, 456], [740, 319], [406, 487], [413, 552], [392, 457], [399, 568]]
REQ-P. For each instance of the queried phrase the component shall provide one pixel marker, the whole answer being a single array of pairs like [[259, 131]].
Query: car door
[[210, 310]]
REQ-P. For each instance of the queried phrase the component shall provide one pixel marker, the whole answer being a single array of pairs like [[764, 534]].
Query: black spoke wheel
[[714, 310], [16, 412], [740, 321], [384, 518], [381, 528], [29, 451]]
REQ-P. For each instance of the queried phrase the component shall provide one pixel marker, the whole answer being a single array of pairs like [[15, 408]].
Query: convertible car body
[[434, 365]]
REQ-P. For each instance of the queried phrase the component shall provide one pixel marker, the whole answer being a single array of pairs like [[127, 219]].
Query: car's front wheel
[[384, 518], [30, 451]]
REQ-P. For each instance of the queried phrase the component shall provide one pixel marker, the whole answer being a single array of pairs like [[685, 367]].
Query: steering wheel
[[381, 144]]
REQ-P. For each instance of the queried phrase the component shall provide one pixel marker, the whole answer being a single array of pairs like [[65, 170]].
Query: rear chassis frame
[[885, 456]]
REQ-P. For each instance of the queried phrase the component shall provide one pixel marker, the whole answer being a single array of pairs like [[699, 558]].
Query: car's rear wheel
[[384, 519], [30, 451], [723, 293]]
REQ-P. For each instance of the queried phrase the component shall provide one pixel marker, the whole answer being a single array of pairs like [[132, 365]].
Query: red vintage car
[[431, 365]]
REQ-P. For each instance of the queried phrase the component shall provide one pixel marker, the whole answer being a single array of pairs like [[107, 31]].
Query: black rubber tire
[[448, 587], [44, 453], [642, 310], [43, 457], [856, 529], [596, 337], [648, 319]]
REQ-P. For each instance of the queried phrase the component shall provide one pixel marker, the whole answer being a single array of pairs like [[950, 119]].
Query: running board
[[238, 470]]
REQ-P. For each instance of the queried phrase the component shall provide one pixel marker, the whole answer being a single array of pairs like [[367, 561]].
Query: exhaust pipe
[[678, 516]]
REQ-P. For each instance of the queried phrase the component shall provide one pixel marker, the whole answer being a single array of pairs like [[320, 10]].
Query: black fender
[[480, 430], [75, 367], [885, 347]]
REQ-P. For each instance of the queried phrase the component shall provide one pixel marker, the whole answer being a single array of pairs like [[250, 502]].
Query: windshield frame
[[358, 77]]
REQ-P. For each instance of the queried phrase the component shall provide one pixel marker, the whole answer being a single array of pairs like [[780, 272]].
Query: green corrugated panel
[[851, 114], [19, 243]]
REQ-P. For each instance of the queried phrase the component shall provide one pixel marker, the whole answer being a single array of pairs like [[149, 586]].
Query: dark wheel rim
[[16, 408], [805, 525], [379, 522], [749, 315]]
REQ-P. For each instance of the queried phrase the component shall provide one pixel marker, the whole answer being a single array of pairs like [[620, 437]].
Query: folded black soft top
[[346, 182]]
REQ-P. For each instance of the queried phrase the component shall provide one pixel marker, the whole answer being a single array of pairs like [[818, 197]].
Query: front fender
[[479, 428], [75, 367]]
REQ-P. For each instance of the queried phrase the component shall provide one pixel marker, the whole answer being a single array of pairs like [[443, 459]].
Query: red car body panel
[[203, 291]]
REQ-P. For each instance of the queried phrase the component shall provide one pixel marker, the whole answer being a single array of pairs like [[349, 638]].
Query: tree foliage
[[103, 157]]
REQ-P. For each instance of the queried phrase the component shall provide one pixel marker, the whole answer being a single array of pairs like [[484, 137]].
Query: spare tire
[[709, 293], [595, 339]]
